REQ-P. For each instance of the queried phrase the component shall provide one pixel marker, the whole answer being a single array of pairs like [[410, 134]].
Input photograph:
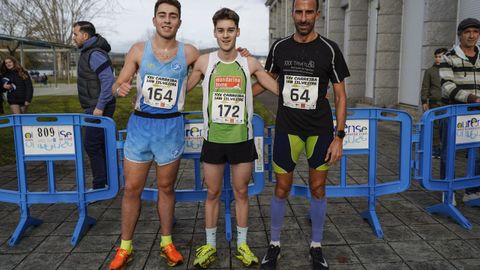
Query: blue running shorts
[[150, 139]]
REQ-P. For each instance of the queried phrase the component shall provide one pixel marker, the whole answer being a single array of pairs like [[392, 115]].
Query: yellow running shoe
[[245, 255], [170, 253], [206, 255], [121, 259]]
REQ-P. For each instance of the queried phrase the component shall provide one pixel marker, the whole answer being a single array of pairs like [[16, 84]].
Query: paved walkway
[[413, 239], [61, 89]]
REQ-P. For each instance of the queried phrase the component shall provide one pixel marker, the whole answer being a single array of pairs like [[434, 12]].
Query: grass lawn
[[70, 104]]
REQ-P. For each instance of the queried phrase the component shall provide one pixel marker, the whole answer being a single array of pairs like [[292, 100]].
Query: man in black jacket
[[95, 80]]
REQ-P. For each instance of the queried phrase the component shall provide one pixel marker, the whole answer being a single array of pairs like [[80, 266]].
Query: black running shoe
[[269, 261], [318, 262]]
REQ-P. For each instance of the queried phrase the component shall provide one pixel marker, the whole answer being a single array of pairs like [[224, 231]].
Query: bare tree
[[50, 20]]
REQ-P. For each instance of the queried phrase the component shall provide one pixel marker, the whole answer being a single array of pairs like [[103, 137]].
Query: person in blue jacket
[[94, 83]]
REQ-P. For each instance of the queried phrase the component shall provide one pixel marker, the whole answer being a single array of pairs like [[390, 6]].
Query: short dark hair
[[86, 27], [316, 1], [174, 3], [225, 14], [439, 51]]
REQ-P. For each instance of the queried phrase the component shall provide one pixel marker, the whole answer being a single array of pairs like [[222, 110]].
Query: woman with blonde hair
[[17, 83]]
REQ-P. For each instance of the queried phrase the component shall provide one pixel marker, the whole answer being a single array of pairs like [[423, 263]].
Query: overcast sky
[[133, 23]]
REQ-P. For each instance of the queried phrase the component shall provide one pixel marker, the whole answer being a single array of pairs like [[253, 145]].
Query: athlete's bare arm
[[262, 76], [123, 85], [257, 88], [191, 54], [199, 69], [335, 149]]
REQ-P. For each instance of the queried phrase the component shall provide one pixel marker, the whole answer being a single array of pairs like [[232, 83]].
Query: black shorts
[[21, 104], [233, 153], [288, 147]]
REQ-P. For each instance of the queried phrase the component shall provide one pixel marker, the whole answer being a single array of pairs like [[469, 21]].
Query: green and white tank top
[[227, 101]]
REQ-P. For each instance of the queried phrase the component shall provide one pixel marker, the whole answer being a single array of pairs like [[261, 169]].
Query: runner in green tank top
[[227, 111], [229, 100]]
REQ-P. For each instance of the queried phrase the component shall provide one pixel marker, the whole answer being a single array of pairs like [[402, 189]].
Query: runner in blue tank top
[[155, 129]]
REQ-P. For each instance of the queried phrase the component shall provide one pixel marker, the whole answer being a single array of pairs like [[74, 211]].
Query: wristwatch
[[341, 134]]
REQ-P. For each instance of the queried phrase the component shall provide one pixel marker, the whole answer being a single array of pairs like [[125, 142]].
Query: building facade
[[387, 43]]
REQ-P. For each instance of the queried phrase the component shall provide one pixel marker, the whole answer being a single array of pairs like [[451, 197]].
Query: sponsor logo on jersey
[[175, 66]]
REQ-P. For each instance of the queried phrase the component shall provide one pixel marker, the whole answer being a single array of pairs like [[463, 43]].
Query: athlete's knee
[[318, 190], [213, 194], [132, 190], [166, 188], [241, 194], [282, 190]]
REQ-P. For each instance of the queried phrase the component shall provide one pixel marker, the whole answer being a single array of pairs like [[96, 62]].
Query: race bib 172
[[228, 108]]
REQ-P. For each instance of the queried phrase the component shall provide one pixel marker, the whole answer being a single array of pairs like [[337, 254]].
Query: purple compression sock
[[318, 211], [277, 213]]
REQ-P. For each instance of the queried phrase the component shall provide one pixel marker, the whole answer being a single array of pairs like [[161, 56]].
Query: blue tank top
[[162, 85]]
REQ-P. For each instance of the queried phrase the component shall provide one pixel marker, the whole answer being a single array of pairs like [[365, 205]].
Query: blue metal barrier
[[361, 132], [193, 130], [50, 138], [463, 132], [268, 141]]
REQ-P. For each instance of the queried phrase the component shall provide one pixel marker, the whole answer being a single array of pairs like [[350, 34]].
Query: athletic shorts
[[21, 104], [287, 149], [233, 153], [150, 139]]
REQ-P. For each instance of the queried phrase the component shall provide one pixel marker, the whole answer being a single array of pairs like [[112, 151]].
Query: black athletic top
[[304, 71]]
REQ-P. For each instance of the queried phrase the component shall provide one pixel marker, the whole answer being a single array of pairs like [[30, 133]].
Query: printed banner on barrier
[[48, 140], [467, 129], [193, 138], [356, 134], [259, 161]]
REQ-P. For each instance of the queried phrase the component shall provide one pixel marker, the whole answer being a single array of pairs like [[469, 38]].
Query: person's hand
[[97, 112], [124, 89], [425, 107], [27, 103], [334, 152], [244, 52], [7, 86]]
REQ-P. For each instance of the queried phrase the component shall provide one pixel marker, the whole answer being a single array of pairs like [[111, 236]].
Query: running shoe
[[170, 253], [121, 259], [245, 255], [318, 262], [206, 255], [269, 261]]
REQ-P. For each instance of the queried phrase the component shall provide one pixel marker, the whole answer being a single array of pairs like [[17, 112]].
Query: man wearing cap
[[460, 80]]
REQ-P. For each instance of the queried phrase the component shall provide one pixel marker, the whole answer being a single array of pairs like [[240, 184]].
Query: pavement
[[61, 89], [413, 238]]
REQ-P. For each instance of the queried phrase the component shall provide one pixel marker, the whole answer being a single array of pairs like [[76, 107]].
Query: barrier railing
[[193, 146], [461, 124], [361, 139], [51, 138]]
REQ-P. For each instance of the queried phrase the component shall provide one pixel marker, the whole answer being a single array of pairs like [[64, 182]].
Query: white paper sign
[[48, 140], [356, 134], [259, 167], [467, 129], [193, 138]]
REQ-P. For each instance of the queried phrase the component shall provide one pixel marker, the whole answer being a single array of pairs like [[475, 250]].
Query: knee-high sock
[[318, 211], [277, 214]]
